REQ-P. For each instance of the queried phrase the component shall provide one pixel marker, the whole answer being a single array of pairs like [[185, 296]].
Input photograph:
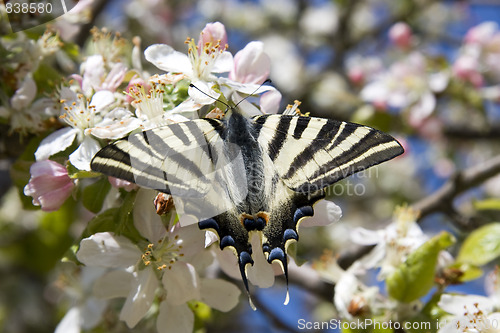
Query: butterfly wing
[[311, 153], [308, 154], [186, 160]]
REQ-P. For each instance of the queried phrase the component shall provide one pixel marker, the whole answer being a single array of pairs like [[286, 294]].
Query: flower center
[[148, 104], [203, 60], [475, 321], [163, 254], [79, 114]]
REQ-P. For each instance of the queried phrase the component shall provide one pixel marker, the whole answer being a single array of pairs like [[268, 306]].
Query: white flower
[[95, 78], [87, 309], [170, 263], [407, 85], [198, 66], [150, 108], [251, 68], [353, 298], [85, 118], [325, 213], [474, 313], [393, 244], [24, 113]]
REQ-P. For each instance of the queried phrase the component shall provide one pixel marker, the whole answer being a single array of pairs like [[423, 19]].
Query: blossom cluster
[[164, 270]]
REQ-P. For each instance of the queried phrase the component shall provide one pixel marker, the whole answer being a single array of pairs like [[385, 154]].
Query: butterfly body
[[239, 176]]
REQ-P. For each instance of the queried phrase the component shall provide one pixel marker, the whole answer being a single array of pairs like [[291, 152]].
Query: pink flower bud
[[213, 33], [401, 35], [49, 185]]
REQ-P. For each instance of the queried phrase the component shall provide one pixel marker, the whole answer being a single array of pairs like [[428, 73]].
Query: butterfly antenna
[[204, 93], [253, 92], [218, 100]]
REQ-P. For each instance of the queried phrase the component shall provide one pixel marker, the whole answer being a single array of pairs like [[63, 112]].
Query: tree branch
[[462, 181], [463, 132]]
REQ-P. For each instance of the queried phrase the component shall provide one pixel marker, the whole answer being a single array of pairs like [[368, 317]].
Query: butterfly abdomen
[[242, 139]]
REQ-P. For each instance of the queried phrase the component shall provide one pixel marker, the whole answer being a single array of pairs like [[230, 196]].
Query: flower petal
[[53, 200], [93, 72], [140, 298], [49, 185], [91, 312], [191, 238], [181, 283], [81, 157], [423, 108], [455, 304], [366, 237], [251, 64], [55, 143], [206, 96], [48, 168], [113, 284], [325, 213], [166, 58], [213, 33], [115, 77], [174, 318], [24, 95], [71, 322], [102, 99], [270, 102], [147, 222], [219, 294], [228, 263], [261, 273], [223, 63], [105, 249]]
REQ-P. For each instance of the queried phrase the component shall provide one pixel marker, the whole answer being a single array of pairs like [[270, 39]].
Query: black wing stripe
[[279, 137], [178, 131], [302, 158], [300, 126]]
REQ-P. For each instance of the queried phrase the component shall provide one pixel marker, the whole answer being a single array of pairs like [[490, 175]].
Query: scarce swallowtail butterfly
[[239, 175]]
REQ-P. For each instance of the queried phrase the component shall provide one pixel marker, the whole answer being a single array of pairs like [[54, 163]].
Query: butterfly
[[243, 175]]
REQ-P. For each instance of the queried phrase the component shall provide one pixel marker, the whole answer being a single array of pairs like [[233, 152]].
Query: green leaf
[[102, 222], [481, 246], [118, 220], [124, 219], [94, 195], [488, 204], [415, 277]]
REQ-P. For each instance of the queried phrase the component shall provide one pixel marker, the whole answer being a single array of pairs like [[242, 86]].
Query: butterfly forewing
[[187, 160], [312, 153]]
